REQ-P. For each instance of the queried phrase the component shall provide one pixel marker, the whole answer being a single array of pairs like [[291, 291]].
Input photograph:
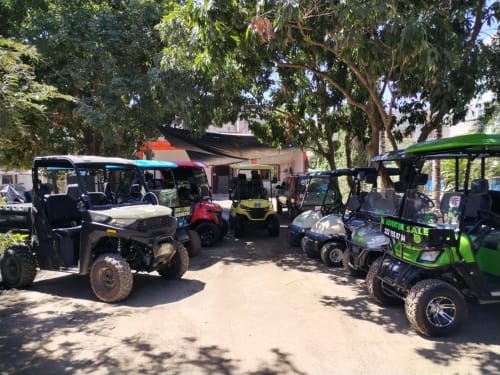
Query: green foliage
[[326, 74], [12, 239], [101, 54], [23, 105], [307, 71]]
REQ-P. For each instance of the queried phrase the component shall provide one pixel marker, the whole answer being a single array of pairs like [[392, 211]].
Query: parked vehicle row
[[431, 242]]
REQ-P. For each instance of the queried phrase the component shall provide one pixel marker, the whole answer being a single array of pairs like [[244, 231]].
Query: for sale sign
[[415, 234]]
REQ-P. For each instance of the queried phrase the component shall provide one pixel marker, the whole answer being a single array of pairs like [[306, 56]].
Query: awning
[[219, 148]]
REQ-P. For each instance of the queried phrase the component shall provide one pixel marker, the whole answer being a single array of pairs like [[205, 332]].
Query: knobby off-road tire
[[346, 258], [111, 278], [223, 228], [375, 286], [194, 245], [279, 207], [18, 267], [273, 226], [292, 213], [177, 266], [435, 308], [209, 233], [332, 254]]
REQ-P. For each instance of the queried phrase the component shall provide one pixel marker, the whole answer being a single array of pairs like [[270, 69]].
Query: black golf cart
[[93, 216]]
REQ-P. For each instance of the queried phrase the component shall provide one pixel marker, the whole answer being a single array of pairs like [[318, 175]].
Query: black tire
[[239, 226], [279, 206], [273, 226], [376, 288], [332, 253], [291, 212], [223, 228], [111, 278], [18, 267], [346, 258], [194, 245], [208, 232], [177, 266], [435, 308]]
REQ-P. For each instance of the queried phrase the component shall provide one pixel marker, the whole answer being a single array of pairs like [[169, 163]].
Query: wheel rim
[[441, 311], [106, 279], [207, 236], [335, 255]]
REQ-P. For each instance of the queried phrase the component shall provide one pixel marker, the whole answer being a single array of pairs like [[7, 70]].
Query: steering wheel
[[428, 202], [150, 197]]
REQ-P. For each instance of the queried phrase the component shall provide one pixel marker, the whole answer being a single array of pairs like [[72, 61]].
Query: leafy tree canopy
[[24, 118], [296, 65]]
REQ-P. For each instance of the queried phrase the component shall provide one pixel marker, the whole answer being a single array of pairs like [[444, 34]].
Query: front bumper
[[295, 234], [397, 274], [312, 242]]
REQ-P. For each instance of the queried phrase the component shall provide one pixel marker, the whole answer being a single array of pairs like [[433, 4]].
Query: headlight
[[429, 256], [122, 222], [98, 218]]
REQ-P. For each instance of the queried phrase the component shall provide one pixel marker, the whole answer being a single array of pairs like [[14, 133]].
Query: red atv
[[206, 217]]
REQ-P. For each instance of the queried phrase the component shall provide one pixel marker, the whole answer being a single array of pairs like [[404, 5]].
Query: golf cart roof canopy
[[390, 156], [332, 173], [189, 163], [155, 164], [81, 160], [458, 146], [252, 167]]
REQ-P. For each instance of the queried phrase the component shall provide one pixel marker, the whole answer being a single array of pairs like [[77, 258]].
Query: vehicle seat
[[62, 211], [136, 191], [256, 187], [98, 198], [477, 199], [73, 191], [241, 187]]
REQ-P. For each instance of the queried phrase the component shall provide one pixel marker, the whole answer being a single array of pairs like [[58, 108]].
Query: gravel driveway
[[252, 306]]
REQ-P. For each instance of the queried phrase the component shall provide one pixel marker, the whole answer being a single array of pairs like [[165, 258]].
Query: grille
[[154, 223], [257, 213]]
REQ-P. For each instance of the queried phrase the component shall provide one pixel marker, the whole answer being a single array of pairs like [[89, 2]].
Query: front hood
[[211, 206], [140, 212], [306, 219], [329, 225]]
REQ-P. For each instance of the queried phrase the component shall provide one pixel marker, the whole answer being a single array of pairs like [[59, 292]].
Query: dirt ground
[[251, 306]]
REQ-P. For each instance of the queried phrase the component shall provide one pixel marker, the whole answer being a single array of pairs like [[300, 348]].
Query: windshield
[[375, 193], [321, 190], [451, 198], [104, 184]]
